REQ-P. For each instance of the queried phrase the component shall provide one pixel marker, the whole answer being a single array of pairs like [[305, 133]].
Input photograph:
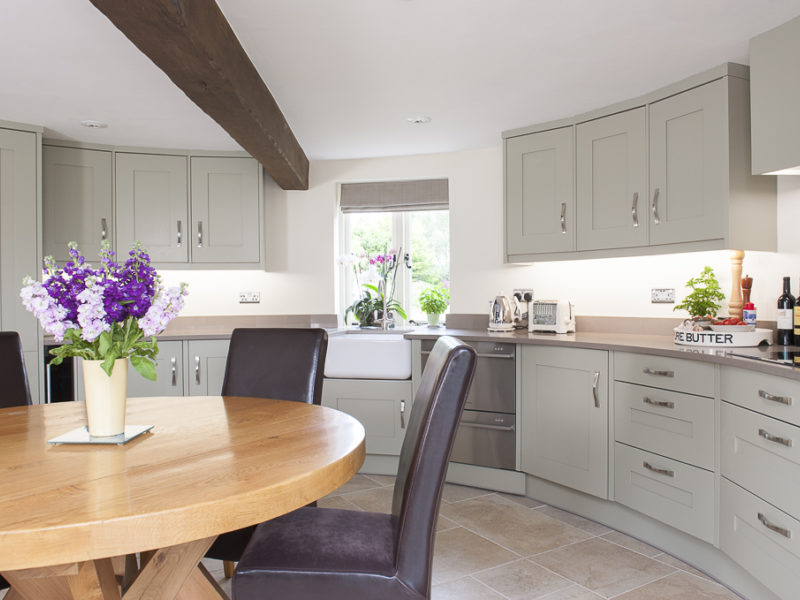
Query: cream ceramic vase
[[433, 319], [105, 397]]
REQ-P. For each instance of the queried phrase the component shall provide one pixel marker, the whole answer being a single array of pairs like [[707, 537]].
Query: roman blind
[[388, 196]]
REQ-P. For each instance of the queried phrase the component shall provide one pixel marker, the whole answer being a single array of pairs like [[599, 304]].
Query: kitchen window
[[412, 215]]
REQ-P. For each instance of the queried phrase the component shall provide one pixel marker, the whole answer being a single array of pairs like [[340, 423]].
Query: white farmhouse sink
[[368, 356]]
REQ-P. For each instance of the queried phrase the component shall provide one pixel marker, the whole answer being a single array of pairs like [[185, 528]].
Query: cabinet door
[[76, 195], [382, 407], [612, 181], [206, 361], [540, 192], [153, 205], [169, 367], [564, 417], [19, 246], [689, 165], [167, 383], [226, 210]]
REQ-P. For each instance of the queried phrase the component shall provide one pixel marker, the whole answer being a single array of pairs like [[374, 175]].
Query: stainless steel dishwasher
[[487, 434]]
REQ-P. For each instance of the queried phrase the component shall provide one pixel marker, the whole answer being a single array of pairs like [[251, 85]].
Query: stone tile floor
[[493, 546]]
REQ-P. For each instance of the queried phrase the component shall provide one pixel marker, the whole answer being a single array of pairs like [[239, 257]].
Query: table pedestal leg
[[169, 574]]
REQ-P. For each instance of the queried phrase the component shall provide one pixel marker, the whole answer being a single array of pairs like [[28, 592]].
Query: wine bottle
[[785, 329]]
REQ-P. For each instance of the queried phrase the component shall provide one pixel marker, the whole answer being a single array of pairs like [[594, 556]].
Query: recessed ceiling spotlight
[[419, 120], [94, 124]]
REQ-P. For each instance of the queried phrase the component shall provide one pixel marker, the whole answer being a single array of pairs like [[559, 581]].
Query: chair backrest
[[281, 363], [14, 377], [432, 427]]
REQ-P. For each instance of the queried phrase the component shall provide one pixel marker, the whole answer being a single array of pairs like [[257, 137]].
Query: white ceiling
[[347, 73]]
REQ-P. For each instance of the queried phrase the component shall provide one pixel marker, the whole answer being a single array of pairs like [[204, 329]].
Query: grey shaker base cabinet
[[666, 172], [564, 417], [382, 406], [184, 367]]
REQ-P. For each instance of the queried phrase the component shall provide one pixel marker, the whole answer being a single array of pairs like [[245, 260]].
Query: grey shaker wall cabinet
[[612, 181], [152, 205], [775, 94], [77, 199], [540, 192], [226, 210], [20, 236], [688, 188], [189, 210]]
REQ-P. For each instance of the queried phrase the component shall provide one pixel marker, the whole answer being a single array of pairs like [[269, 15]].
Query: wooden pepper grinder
[[735, 301], [747, 286]]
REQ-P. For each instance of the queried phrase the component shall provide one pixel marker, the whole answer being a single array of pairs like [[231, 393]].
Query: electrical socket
[[522, 292], [249, 297], [662, 296]]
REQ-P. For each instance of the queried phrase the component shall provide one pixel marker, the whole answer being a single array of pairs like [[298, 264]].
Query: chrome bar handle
[[563, 217], [774, 438], [656, 218], [402, 414], [772, 527], [595, 381], [660, 373], [659, 470], [180, 233], [661, 403], [635, 209], [197, 370], [787, 400], [174, 362], [490, 427], [487, 355], [199, 234], [103, 229]]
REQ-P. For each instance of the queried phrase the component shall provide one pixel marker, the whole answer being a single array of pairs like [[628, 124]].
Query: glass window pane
[[430, 255]]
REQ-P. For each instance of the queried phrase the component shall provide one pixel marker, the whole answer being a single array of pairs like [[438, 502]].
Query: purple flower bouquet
[[107, 313]]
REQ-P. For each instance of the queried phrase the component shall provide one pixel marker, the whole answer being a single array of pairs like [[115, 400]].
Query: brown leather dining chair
[[14, 380], [333, 554], [280, 363]]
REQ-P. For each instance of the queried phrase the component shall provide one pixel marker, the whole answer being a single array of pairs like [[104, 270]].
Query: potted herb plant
[[433, 301], [705, 299]]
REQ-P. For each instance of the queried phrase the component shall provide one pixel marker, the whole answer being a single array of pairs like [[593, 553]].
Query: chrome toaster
[[557, 316]]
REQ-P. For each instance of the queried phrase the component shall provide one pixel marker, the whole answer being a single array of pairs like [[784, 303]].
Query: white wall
[[303, 249]]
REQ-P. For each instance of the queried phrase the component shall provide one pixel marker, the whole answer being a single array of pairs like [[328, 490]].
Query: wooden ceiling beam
[[192, 42]]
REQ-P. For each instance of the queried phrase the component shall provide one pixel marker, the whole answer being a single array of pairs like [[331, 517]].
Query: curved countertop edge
[[657, 345]]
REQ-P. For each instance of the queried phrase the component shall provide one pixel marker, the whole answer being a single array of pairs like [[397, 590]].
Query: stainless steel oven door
[[486, 439], [494, 385]]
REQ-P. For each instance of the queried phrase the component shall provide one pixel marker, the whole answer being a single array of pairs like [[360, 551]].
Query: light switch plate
[[249, 297], [662, 296]]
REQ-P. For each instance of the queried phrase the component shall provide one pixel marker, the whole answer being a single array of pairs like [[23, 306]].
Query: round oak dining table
[[133, 521]]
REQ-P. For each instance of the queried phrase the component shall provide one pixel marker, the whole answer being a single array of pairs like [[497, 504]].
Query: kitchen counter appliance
[[500, 315], [557, 316], [487, 434]]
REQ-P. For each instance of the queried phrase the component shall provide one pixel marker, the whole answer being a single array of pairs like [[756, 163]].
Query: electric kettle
[[500, 315]]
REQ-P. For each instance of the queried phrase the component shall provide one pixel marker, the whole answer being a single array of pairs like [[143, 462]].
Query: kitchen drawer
[[768, 468], [681, 495], [769, 556], [676, 374], [775, 396], [680, 426]]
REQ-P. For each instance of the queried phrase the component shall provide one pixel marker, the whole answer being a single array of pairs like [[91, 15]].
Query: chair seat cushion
[[321, 553], [323, 539]]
